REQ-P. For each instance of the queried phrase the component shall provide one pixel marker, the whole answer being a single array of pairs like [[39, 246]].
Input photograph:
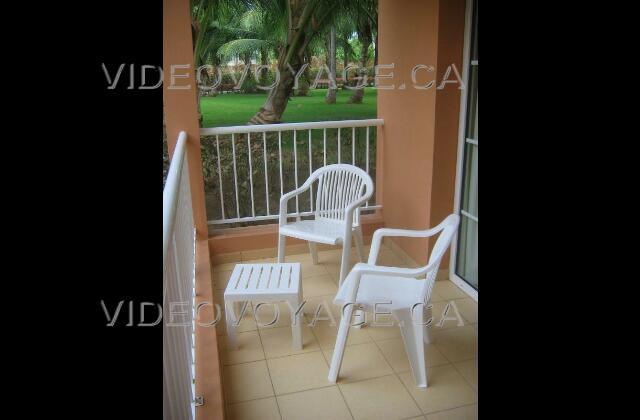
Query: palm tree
[[370, 8], [315, 48], [342, 41], [331, 62], [208, 28], [203, 14], [202, 17], [365, 14], [304, 20], [209, 24], [344, 31], [255, 35]]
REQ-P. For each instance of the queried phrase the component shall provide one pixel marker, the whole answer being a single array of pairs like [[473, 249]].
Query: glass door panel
[[467, 247]]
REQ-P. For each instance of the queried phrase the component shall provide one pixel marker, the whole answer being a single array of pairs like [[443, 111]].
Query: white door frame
[[473, 293]]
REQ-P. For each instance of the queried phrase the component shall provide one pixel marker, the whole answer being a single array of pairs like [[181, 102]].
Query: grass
[[237, 108]]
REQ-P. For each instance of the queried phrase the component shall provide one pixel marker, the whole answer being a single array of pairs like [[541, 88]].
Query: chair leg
[[281, 247], [413, 337], [313, 249], [341, 342], [427, 329], [357, 233], [344, 264]]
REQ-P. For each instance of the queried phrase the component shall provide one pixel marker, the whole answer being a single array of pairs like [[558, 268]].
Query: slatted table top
[[263, 279]]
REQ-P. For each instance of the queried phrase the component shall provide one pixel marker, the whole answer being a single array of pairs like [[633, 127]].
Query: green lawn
[[237, 108]]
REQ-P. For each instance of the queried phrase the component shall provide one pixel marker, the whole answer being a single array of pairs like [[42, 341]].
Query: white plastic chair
[[368, 284], [341, 190]]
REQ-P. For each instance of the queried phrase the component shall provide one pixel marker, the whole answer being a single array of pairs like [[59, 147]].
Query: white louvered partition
[[178, 260]]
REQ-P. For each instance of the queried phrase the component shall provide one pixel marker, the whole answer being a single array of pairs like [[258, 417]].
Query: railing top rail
[[242, 129], [171, 191]]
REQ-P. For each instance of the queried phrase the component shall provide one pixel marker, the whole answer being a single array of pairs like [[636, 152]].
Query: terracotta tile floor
[[265, 379]]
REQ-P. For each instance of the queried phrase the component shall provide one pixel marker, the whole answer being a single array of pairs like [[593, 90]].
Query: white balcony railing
[[251, 166], [178, 261]]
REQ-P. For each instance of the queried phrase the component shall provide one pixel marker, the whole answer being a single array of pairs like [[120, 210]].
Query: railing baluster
[[235, 173], [353, 146], [253, 208], [339, 147], [220, 177], [295, 165], [324, 145], [280, 156], [367, 157], [310, 172], [266, 176]]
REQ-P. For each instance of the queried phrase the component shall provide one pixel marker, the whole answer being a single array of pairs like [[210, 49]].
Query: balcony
[[263, 378], [235, 177]]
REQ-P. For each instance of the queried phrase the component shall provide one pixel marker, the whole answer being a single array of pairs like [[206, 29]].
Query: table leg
[[296, 325], [230, 317]]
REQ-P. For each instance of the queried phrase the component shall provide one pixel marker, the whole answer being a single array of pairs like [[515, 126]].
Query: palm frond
[[239, 47]]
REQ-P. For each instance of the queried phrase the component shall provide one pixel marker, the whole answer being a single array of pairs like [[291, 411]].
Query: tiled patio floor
[[264, 379]]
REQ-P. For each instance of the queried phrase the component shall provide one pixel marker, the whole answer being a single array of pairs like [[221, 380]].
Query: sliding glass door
[[466, 248]]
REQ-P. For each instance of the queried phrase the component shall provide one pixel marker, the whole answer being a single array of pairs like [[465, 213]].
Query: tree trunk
[[331, 93], [345, 82], [364, 35], [273, 108], [264, 60], [292, 55], [375, 51], [198, 95], [195, 34], [345, 63], [303, 81]]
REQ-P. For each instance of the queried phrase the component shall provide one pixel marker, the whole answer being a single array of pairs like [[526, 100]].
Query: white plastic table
[[264, 283]]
